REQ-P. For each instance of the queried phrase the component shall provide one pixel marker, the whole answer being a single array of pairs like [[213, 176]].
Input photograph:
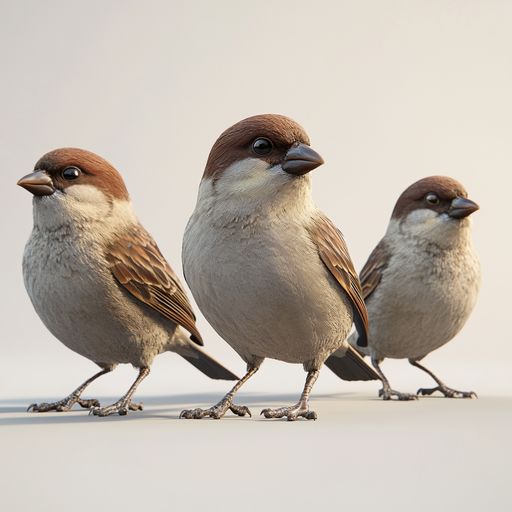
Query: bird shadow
[[168, 407]]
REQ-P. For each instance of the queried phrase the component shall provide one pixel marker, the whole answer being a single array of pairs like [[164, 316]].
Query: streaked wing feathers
[[138, 265], [371, 274], [334, 254]]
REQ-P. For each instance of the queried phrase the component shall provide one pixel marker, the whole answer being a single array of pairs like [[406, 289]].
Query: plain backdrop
[[389, 92]]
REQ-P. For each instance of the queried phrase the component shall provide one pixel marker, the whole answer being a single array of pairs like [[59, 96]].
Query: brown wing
[[371, 274], [138, 265], [334, 254]]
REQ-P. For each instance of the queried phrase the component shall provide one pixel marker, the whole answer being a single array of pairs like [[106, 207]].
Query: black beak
[[38, 183], [301, 159], [462, 207]]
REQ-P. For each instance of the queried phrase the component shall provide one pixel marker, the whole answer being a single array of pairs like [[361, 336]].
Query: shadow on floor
[[157, 406]]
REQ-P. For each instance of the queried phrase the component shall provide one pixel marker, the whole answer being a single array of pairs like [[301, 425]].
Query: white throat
[[82, 208], [250, 187], [427, 227]]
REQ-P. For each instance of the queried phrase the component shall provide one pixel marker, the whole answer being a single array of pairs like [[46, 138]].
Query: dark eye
[[262, 146], [71, 173], [432, 198]]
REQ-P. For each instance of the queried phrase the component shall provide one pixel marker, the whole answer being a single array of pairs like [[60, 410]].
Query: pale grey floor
[[362, 454]]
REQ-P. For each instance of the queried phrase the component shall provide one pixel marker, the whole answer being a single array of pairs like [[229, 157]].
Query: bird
[[98, 280], [421, 281], [269, 271]]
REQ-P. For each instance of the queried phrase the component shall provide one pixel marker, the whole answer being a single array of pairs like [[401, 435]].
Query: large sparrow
[[421, 282], [97, 279], [270, 271]]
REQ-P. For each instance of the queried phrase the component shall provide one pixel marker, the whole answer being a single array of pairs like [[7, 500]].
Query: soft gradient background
[[389, 92]]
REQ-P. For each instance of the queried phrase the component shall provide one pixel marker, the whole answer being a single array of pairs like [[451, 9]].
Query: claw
[[63, 405], [290, 413], [447, 392], [87, 404], [120, 407], [216, 412], [240, 410], [388, 394]]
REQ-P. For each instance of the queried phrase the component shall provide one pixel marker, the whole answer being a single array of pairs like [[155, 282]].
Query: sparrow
[[421, 281], [97, 279], [269, 271]]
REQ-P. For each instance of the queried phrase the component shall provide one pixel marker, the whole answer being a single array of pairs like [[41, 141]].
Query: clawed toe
[[192, 414], [447, 392], [216, 412], [196, 414], [121, 407], [290, 413], [63, 405], [87, 404], [46, 407], [388, 394], [108, 411], [240, 410]]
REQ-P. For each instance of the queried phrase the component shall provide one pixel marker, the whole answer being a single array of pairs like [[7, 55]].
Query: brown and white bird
[[421, 282], [97, 279], [270, 272]]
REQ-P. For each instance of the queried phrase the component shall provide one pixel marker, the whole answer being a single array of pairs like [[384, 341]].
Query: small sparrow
[[421, 282], [270, 271], [97, 279]]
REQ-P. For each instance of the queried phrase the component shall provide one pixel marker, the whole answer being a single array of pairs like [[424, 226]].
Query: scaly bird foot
[[388, 394], [447, 392], [121, 407], [291, 413], [63, 405], [217, 411]]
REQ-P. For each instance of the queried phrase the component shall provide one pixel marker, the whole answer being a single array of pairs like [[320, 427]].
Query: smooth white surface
[[361, 454], [389, 92]]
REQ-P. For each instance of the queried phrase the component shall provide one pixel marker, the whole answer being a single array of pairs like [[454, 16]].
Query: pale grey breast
[[81, 304], [264, 289], [422, 301]]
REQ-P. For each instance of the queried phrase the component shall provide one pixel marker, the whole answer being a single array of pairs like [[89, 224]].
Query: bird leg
[[74, 398], [386, 392], [441, 386], [124, 404], [221, 408], [301, 408]]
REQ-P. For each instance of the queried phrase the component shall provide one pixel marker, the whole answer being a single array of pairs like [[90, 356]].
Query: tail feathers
[[205, 363], [351, 366]]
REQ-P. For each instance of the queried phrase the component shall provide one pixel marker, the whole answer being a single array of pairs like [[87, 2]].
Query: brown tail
[[351, 366]]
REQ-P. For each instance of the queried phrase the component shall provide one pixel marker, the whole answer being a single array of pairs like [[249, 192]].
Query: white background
[[389, 92]]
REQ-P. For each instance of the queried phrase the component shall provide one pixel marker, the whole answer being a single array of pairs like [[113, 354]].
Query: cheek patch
[[86, 202], [421, 216], [430, 225], [86, 193], [247, 176]]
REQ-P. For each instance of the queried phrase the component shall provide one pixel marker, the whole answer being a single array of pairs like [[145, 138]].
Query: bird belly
[[267, 295], [84, 307], [416, 310]]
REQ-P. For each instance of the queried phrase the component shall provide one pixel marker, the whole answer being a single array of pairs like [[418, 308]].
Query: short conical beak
[[301, 159], [462, 207], [38, 183]]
